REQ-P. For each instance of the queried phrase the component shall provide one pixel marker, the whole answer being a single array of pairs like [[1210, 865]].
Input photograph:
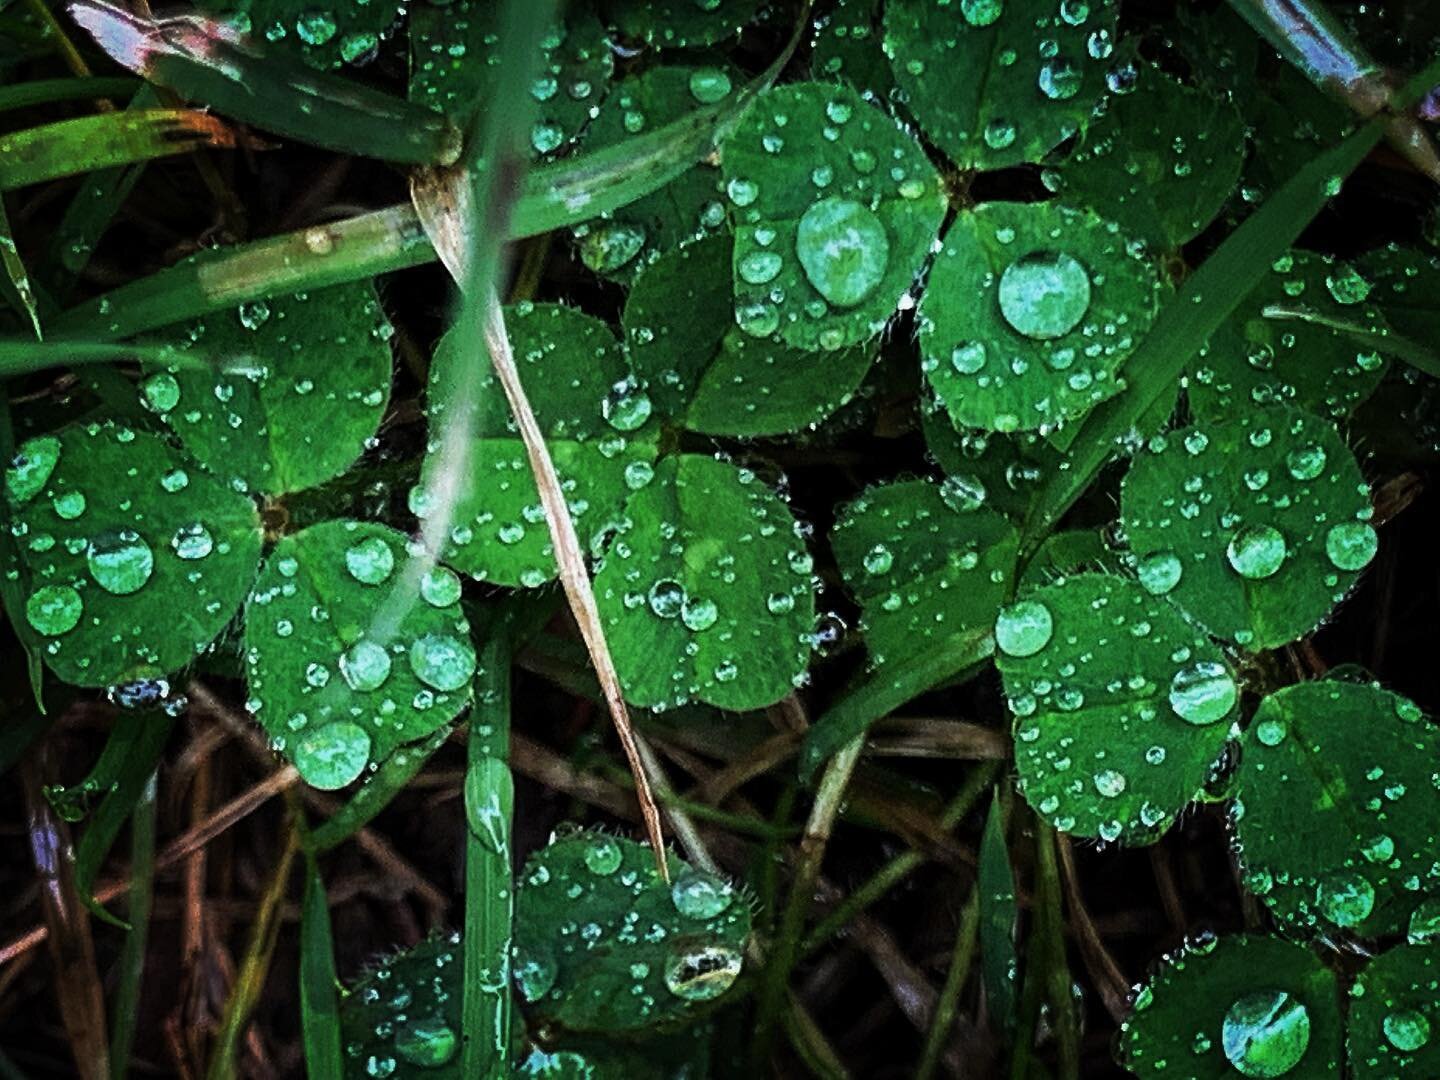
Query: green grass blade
[[50, 91], [28, 357], [319, 999], [886, 691], [961, 956], [1187, 322], [998, 912], [19, 291], [11, 592], [144, 737], [489, 891], [207, 62], [124, 1012], [394, 773], [67, 147]]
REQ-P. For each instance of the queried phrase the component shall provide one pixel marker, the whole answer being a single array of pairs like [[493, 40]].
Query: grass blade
[[206, 61], [50, 91], [319, 1000], [68, 147], [19, 289], [124, 1013], [998, 912], [489, 891], [11, 591], [955, 979], [888, 689]]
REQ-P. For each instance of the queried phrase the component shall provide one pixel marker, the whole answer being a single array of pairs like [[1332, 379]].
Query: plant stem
[[132, 957], [960, 959]]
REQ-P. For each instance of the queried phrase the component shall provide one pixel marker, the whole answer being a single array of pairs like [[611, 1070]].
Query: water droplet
[[29, 471], [1406, 1029], [534, 974], [1351, 545], [638, 474], [1024, 629], [120, 561], [440, 587], [698, 895], [981, 12], [160, 392], [1265, 1033], [963, 493], [370, 560], [69, 504], [1060, 79], [666, 598], [365, 665], [1345, 898], [999, 134], [709, 85], [603, 856], [1159, 572], [442, 662], [330, 757], [253, 315], [701, 974], [54, 609], [1203, 693], [192, 541], [843, 249], [626, 407], [1110, 783], [968, 357], [315, 27], [698, 613], [1044, 294], [610, 245], [1424, 922], [1271, 731], [1347, 286], [427, 1042], [1306, 462], [759, 267], [1256, 551], [878, 560]]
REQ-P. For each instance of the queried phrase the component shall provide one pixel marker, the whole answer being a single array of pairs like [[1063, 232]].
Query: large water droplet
[[1351, 545], [54, 609], [370, 560], [1203, 693], [709, 85], [1265, 1033], [1159, 572], [1256, 551], [427, 1042], [1044, 294], [603, 856], [442, 662], [667, 597], [700, 896], [192, 541], [701, 974], [1024, 629], [843, 249], [330, 757], [534, 973], [698, 613], [365, 665], [160, 392], [120, 561], [1406, 1029], [1346, 898], [29, 471], [440, 587], [981, 12]]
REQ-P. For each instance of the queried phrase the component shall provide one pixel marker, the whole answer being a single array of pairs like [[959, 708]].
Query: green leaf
[[1291, 121], [702, 369], [1007, 468], [1000, 82], [1394, 1024], [998, 914], [706, 593], [325, 37], [1162, 161], [686, 208], [924, 561], [17, 281], [302, 408], [1030, 311], [1257, 526], [131, 564], [847, 46], [680, 24], [455, 61], [1337, 812], [603, 944], [1278, 349], [1247, 1006], [1121, 706], [1404, 284], [835, 209], [596, 422], [403, 1017], [345, 663], [319, 1002]]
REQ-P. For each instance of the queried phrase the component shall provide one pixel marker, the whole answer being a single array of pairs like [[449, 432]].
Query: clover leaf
[[923, 560], [1000, 470], [596, 423], [701, 368], [1394, 1023], [1246, 1005], [1000, 82], [132, 561], [1403, 283], [686, 208], [1029, 313], [1338, 810], [680, 24], [603, 944], [275, 420], [1121, 706], [835, 208], [347, 659], [847, 46], [1280, 347], [323, 36], [706, 592], [1257, 526], [1161, 161]]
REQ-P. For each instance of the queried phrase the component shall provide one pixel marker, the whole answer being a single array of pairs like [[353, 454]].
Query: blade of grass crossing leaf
[[67, 147], [375, 794], [1187, 322], [998, 911], [1382, 338], [489, 891], [888, 689], [28, 357], [141, 757], [124, 1014], [19, 281], [319, 999], [555, 196]]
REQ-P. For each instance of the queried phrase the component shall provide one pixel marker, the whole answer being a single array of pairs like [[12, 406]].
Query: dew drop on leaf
[[192, 541], [703, 973], [365, 665], [1023, 629], [1406, 1029], [843, 249], [54, 609], [426, 1042], [440, 587], [330, 757], [120, 561], [370, 560], [667, 597], [1351, 545], [698, 895], [1159, 572], [1346, 898], [603, 856], [1044, 294], [1265, 1033], [29, 471], [1256, 551], [981, 12], [442, 661]]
